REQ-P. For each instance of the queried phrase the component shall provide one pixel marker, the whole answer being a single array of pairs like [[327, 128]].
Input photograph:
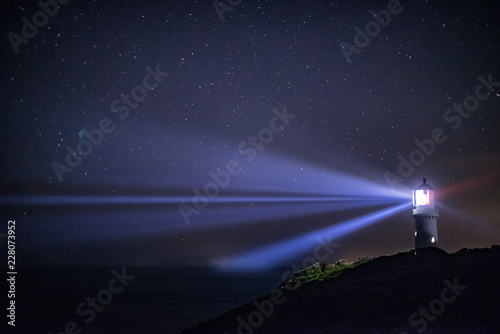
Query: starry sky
[[154, 99]]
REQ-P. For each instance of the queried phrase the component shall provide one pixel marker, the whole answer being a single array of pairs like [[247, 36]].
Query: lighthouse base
[[425, 230]]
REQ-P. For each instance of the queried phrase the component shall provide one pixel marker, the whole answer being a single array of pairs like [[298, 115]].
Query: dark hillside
[[431, 292]]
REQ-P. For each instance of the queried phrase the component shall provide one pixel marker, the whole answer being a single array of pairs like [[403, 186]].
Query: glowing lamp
[[421, 197], [425, 215]]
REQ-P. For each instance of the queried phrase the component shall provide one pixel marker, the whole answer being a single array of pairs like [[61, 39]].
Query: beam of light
[[269, 190], [152, 200], [280, 174], [124, 223], [269, 174], [78, 224], [476, 182], [269, 256], [87, 200], [271, 212], [470, 221]]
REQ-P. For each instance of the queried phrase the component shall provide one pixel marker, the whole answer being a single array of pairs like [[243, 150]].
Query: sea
[[146, 299]]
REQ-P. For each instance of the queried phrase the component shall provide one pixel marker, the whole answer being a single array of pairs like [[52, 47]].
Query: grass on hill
[[320, 272]]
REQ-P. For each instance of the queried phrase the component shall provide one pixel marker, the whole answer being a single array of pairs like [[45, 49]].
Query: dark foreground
[[432, 292], [157, 300]]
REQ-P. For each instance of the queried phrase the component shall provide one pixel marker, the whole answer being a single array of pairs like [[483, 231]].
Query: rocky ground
[[431, 292]]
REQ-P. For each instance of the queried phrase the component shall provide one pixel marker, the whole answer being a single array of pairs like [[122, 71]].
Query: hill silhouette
[[428, 292]]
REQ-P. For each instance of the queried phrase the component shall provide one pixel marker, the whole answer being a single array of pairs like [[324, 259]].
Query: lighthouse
[[425, 215]]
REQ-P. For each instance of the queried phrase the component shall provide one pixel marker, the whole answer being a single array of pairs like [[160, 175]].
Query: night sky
[[290, 123]]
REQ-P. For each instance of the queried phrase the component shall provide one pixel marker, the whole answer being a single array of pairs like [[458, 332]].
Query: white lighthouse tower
[[425, 215]]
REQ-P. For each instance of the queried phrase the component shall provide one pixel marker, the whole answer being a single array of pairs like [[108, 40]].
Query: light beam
[[269, 256]]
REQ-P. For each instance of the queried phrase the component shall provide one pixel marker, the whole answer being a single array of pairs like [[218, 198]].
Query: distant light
[[433, 240], [415, 233]]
